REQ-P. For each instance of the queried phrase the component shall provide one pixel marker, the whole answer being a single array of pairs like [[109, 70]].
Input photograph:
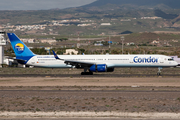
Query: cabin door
[[161, 60]]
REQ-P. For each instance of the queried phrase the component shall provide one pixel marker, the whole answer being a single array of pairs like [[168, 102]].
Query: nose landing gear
[[159, 71], [87, 73]]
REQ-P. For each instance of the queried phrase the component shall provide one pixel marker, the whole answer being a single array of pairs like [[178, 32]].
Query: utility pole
[[109, 44], [122, 39], [78, 43]]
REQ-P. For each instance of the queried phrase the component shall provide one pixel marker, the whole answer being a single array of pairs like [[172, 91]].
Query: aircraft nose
[[176, 63]]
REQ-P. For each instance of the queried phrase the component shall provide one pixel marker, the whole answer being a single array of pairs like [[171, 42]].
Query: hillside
[[150, 3], [122, 15]]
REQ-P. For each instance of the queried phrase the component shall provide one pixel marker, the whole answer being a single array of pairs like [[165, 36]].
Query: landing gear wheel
[[159, 71], [90, 73], [158, 74], [87, 73]]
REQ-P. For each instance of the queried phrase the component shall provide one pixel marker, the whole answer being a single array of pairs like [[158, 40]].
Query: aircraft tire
[[86, 73], [158, 74], [90, 73]]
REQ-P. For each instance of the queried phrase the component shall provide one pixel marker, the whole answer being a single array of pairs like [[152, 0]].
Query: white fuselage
[[110, 60]]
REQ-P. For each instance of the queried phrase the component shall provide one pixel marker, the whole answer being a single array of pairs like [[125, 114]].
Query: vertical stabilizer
[[21, 51]]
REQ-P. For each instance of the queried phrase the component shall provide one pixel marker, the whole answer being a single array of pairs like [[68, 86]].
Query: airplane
[[90, 63]]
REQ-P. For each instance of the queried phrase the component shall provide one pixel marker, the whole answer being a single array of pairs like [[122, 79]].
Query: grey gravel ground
[[82, 119], [101, 118], [133, 95], [131, 100]]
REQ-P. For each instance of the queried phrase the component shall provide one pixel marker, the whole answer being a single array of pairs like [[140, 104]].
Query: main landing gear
[[159, 71], [86, 73]]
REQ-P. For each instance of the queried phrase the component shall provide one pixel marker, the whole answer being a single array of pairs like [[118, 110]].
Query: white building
[[70, 52], [155, 42], [50, 41], [28, 40], [83, 25], [105, 24]]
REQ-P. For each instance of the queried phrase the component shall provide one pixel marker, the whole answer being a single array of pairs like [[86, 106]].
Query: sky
[[41, 4]]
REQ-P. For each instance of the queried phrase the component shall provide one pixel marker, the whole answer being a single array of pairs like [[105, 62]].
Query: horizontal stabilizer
[[20, 61]]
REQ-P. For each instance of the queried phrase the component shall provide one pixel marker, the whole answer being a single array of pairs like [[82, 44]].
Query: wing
[[78, 64]]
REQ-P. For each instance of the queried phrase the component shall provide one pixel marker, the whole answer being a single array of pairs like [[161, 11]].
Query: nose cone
[[175, 63]]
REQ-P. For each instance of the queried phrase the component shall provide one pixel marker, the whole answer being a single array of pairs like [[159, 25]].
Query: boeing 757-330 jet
[[90, 63]]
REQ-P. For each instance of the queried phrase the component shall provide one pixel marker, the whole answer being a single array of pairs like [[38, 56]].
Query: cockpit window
[[170, 59]]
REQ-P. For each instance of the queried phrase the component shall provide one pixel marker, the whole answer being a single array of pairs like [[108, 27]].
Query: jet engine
[[100, 68]]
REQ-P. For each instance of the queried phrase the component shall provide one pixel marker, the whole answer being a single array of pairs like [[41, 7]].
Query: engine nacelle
[[100, 68]]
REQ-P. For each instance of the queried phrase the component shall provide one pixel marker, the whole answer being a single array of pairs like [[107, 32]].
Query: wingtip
[[53, 52], [55, 55]]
